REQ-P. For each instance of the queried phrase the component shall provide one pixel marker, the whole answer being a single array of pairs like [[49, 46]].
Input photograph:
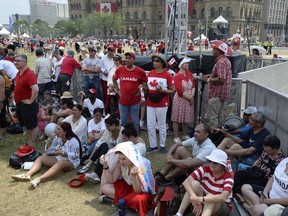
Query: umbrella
[[34, 40], [222, 46], [259, 48]]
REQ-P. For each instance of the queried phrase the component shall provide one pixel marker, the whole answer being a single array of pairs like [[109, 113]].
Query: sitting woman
[[128, 134], [110, 138], [65, 110], [263, 168], [96, 128], [209, 188], [127, 175], [275, 191], [65, 158]]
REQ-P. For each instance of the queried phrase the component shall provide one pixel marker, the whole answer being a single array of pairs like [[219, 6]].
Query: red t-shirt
[[129, 82], [68, 65], [164, 80], [23, 85]]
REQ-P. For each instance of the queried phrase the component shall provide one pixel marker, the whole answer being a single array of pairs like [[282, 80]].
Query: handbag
[[155, 98]]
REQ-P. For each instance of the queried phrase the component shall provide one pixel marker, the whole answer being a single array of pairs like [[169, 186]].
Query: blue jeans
[[134, 114], [92, 83]]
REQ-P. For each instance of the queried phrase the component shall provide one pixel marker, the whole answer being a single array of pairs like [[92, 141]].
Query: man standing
[[131, 79], [42, 70], [2, 108], [64, 79], [182, 159], [91, 68], [25, 94], [220, 83]]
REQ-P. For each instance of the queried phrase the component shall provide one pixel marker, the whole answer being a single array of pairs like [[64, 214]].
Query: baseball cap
[[111, 47], [185, 60], [70, 53], [250, 110], [117, 56], [132, 54], [92, 91]]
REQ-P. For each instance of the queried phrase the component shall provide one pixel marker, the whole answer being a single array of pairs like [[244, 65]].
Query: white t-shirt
[[280, 181], [79, 128], [9, 68], [107, 65], [199, 151], [56, 68], [96, 128], [98, 104]]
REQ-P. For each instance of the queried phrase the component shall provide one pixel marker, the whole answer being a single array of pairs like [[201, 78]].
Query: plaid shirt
[[222, 69]]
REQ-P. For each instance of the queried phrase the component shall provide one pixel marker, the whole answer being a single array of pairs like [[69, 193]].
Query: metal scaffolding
[[176, 21]]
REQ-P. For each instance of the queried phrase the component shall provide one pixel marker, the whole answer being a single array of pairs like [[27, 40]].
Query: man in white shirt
[[184, 160], [92, 102]]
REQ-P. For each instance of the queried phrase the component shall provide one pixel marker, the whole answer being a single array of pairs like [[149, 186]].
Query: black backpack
[[16, 162]]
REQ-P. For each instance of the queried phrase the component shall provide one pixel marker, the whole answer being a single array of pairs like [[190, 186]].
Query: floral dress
[[182, 110]]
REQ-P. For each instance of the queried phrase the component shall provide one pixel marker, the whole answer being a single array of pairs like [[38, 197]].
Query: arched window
[[127, 16], [194, 13], [250, 13], [71, 6], [160, 15], [241, 13], [229, 11], [220, 10], [135, 15], [202, 14], [144, 15], [213, 12]]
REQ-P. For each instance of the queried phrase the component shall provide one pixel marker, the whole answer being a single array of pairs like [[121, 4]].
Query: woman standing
[[183, 101], [127, 175], [160, 85], [66, 157]]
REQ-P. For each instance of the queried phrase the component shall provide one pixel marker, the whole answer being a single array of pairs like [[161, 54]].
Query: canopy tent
[[25, 35], [4, 31], [220, 20], [203, 37]]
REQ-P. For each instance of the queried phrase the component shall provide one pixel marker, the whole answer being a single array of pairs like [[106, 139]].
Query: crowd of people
[[102, 129]]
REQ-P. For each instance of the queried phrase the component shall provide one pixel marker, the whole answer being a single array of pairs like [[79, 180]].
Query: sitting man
[[179, 156], [92, 102], [248, 146]]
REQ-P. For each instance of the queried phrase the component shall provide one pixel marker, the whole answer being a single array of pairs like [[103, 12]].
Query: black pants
[[101, 150], [63, 84]]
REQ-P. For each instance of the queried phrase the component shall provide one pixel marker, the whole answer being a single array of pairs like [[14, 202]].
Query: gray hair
[[23, 57], [260, 117]]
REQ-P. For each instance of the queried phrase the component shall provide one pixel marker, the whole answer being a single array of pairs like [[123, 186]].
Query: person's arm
[[34, 94], [110, 176], [241, 152], [268, 187], [232, 137], [2, 91]]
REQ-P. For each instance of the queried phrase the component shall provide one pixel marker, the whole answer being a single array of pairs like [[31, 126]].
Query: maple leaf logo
[[105, 9], [154, 83]]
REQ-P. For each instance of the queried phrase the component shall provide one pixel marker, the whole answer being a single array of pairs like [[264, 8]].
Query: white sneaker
[[177, 140], [92, 177], [35, 182]]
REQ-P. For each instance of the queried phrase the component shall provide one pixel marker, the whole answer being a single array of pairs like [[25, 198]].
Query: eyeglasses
[[156, 60]]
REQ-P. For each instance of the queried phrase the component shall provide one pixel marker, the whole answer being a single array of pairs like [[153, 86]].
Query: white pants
[[159, 114]]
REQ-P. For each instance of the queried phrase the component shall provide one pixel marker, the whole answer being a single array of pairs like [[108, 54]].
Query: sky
[[9, 7]]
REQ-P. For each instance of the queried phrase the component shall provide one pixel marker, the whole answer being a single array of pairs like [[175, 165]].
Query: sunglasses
[[156, 60], [91, 50], [212, 162]]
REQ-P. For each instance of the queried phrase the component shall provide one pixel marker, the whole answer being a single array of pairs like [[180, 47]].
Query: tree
[[102, 22], [42, 28], [21, 26], [67, 27]]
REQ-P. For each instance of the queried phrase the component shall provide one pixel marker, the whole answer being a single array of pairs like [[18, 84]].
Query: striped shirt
[[211, 185]]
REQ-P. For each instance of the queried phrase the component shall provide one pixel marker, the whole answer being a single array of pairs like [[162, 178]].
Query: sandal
[[21, 177]]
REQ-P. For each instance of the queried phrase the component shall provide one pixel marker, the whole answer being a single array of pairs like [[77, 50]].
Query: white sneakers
[[35, 182], [92, 177], [177, 140]]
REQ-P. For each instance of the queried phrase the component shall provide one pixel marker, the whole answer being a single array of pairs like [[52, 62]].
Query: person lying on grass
[[66, 157]]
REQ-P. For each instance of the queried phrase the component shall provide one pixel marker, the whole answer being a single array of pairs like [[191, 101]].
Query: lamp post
[[247, 29], [208, 14]]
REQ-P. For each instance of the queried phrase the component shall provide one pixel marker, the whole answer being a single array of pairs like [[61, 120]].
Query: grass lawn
[[53, 197]]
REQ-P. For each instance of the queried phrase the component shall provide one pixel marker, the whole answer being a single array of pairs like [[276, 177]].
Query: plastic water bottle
[[121, 207]]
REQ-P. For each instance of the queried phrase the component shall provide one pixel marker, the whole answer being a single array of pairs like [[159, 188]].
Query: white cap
[[185, 60], [250, 110]]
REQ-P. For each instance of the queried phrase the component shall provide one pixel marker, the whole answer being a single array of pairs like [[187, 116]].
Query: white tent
[[220, 20], [4, 31], [25, 35], [203, 37]]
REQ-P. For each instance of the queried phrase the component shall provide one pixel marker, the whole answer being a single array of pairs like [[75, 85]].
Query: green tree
[[21, 26], [67, 27], [102, 22], [42, 28]]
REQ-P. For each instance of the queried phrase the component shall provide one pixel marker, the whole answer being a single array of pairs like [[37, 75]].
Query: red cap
[[111, 47], [132, 54], [93, 91]]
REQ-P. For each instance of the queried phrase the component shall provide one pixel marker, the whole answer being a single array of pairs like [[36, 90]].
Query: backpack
[[16, 161]]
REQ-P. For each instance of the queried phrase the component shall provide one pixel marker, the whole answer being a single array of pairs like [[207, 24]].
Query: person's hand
[[223, 130], [134, 171], [204, 78], [102, 160], [27, 101], [159, 89], [105, 73], [195, 199], [169, 158], [197, 209]]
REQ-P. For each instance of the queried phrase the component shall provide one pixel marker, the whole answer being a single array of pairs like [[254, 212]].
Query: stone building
[[146, 18]]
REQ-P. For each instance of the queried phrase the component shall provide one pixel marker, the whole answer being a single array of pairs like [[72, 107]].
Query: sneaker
[[152, 149], [84, 169], [92, 177], [177, 140], [163, 150], [35, 182], [141, 123], [158, 175], [186, 137], [164, 182], [106, 200], [21, 177]]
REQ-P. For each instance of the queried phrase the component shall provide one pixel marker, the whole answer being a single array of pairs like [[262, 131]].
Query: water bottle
[[121, 207]]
